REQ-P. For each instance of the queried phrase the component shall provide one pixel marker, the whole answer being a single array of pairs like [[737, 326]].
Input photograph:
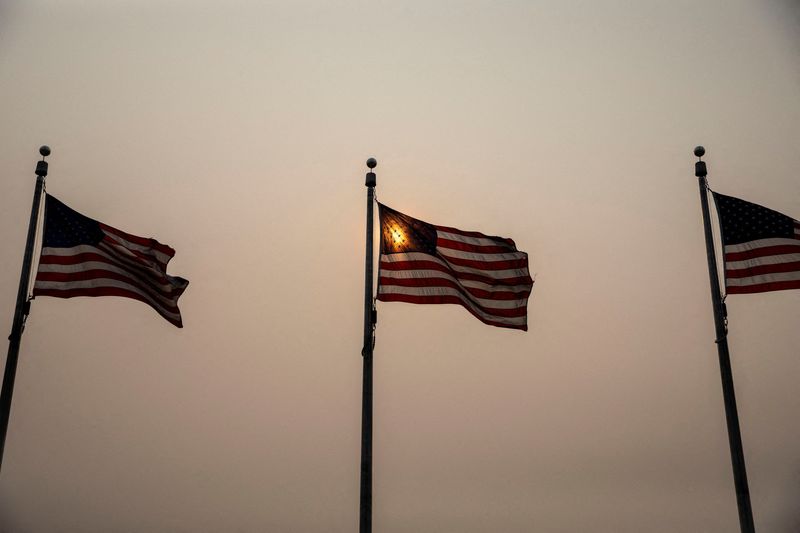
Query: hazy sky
[[237, 132]]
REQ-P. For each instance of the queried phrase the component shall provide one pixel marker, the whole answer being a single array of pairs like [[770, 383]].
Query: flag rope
[[37, 245], [374, 320], [724, 287]]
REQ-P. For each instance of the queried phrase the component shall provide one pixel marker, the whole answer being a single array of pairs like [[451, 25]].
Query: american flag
[[762, 247], [84, 257], [423, 263]]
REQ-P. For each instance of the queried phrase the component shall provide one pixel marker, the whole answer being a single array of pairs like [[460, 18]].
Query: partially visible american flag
[[84, 257], [762, 247], [426, 264]]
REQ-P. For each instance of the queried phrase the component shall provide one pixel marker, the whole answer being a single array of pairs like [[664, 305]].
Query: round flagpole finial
[[372, 162], [44, 150], [699, 151]]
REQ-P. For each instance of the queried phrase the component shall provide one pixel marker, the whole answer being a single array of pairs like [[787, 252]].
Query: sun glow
[[397, 237]]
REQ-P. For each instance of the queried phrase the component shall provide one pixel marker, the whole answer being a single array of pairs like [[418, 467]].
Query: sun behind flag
[[426, 264], [762, 247], [84, 257]]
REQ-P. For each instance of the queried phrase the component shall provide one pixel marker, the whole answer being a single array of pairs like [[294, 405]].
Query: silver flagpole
[[365, 508], [23, 304], [729, 397]]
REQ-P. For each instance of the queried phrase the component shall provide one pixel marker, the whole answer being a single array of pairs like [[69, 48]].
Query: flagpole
[[23, 304], [720, 313], [365, 507]]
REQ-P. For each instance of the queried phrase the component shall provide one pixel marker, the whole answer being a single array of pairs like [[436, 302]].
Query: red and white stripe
[[763, 265], [486, 275], [121, 264]]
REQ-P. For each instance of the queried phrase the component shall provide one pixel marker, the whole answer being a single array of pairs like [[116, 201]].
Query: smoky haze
[[237, 134]]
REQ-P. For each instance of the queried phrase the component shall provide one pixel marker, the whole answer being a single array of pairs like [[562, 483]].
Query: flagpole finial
[[371, 163], [41, 166], [700, 166]]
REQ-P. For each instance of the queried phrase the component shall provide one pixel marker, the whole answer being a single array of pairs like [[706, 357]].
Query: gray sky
[[236, 132]]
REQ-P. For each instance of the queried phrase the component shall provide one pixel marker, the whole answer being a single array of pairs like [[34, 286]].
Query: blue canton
[[65, 228], [743, 221]]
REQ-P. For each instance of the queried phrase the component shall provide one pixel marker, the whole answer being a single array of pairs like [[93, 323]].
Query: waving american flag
[[427, 264], [762, 247], [84, 257]]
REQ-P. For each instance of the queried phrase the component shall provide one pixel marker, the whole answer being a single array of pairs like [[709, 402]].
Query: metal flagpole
[[365, 508], [23, 305], [720, 314]]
